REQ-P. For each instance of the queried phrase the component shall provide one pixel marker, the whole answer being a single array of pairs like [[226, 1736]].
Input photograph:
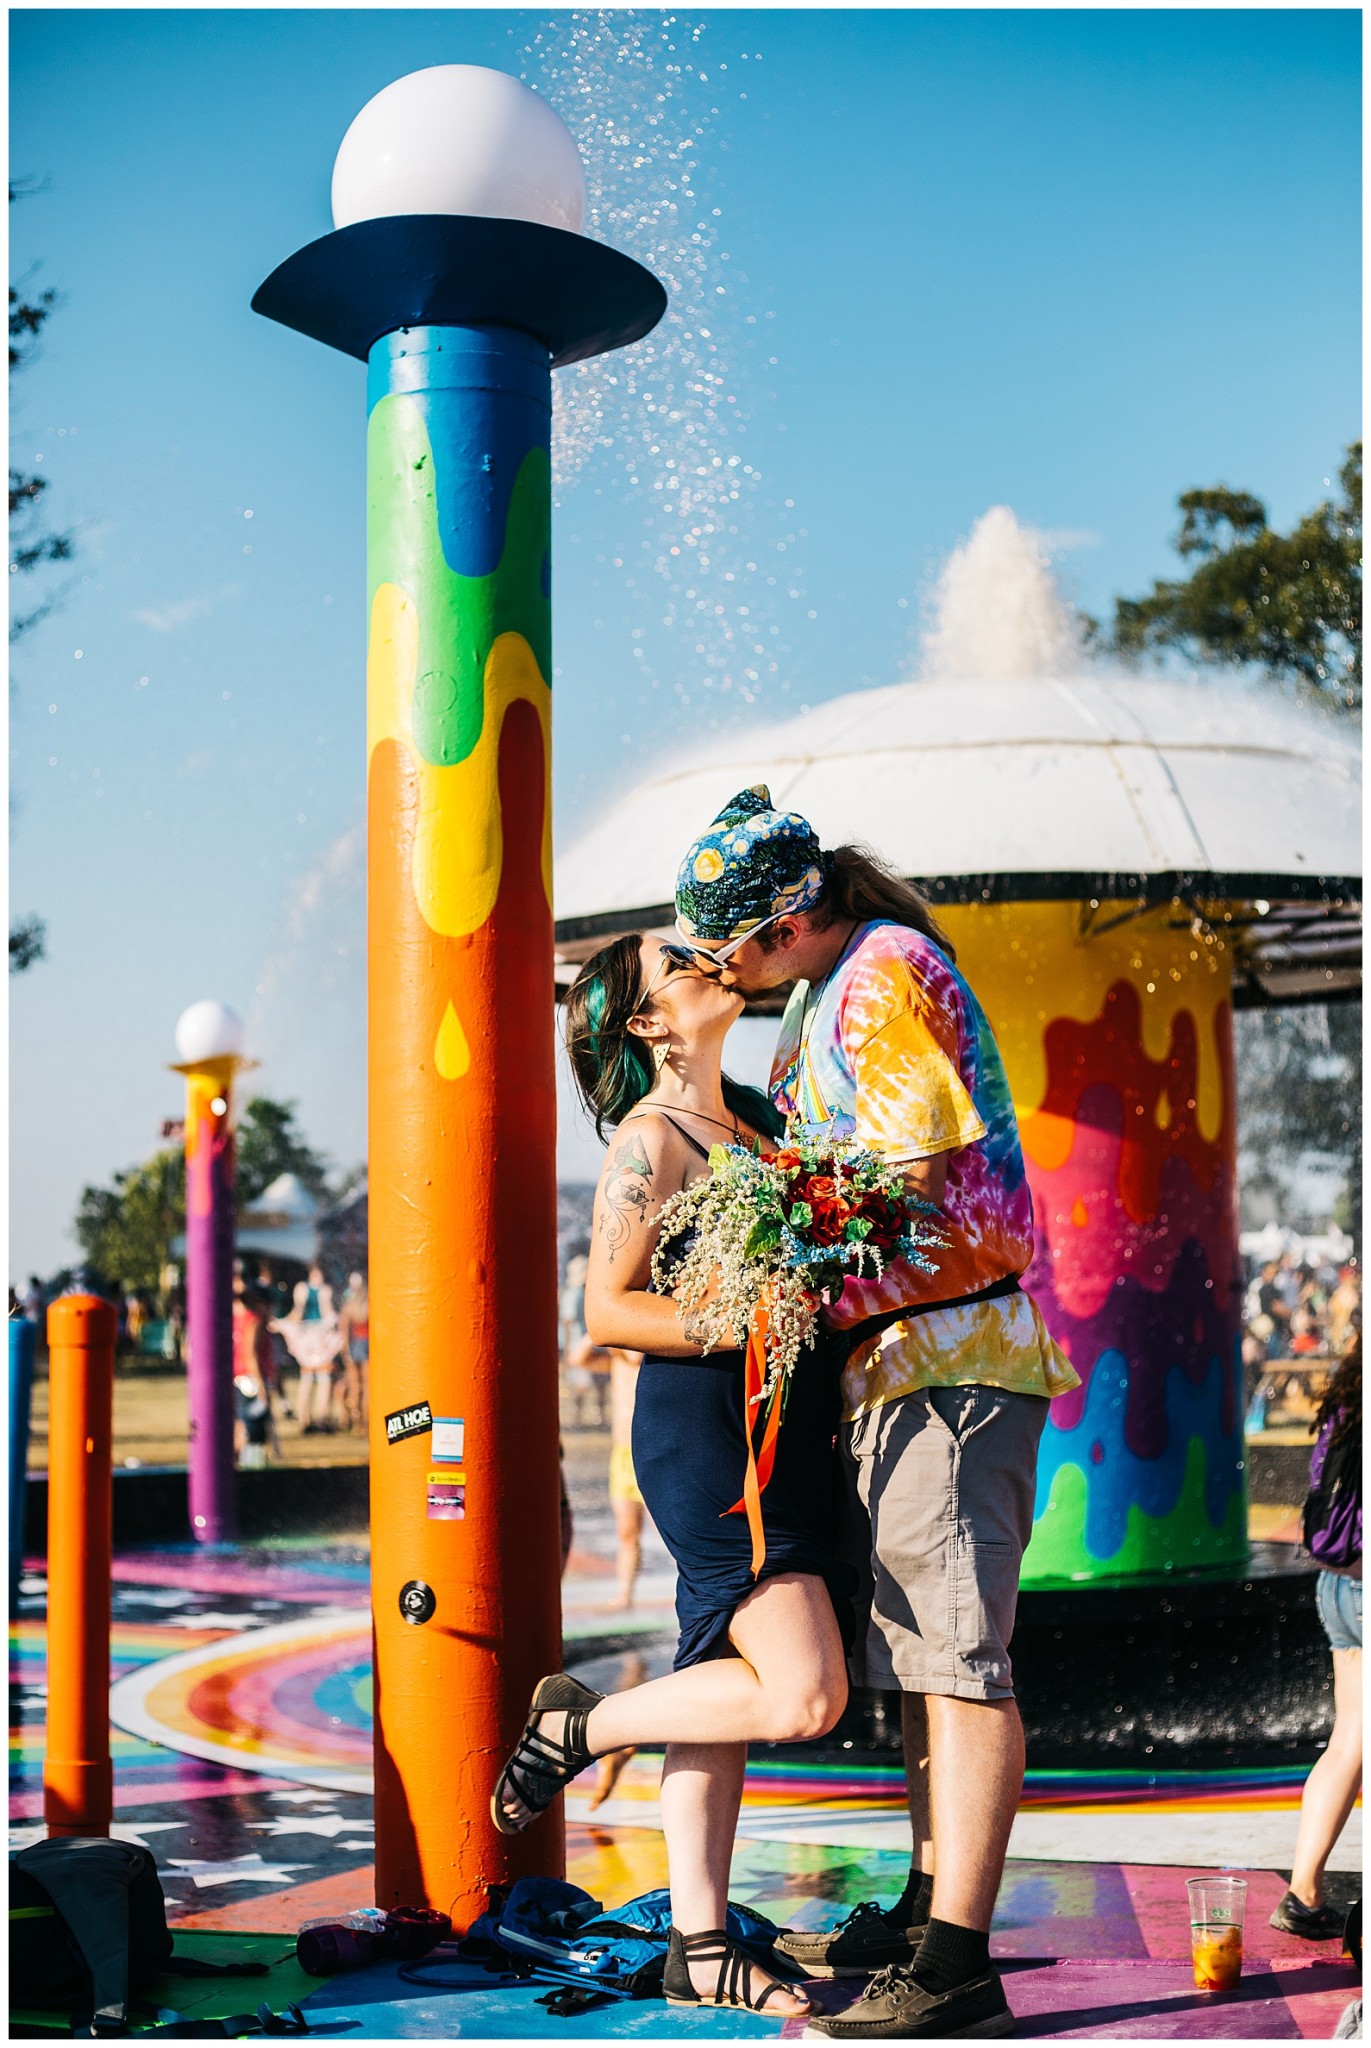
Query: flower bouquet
[[756, 1247]]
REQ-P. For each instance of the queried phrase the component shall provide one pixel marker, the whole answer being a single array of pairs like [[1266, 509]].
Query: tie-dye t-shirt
[[896, 1051]]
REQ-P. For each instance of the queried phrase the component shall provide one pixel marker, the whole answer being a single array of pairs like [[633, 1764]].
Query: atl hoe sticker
[[415, 1421]]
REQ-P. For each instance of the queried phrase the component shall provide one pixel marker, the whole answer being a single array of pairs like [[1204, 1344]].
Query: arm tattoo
[[627, 1194]]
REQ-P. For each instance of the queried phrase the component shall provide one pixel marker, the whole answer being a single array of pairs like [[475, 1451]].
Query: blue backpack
[[562, 1935]]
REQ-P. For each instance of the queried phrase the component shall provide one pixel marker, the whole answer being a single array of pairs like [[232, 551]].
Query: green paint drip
[[460, 617], [1179, 1540]]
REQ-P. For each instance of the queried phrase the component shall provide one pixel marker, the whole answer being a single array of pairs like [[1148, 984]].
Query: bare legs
[[787, 1683], [964, 1762], [628, 1528], [610, 1767], [315, 1396], [702, 1790], [914, 1730], [1330, 1790]]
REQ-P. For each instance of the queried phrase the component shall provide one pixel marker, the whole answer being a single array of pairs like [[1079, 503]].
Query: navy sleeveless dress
[[690, 1456]]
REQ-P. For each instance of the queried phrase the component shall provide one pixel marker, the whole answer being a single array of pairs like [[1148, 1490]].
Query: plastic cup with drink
[[1217, 1906]]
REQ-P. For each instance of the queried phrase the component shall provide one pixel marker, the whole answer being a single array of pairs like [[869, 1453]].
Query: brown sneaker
[[867, 1940], [895, 2008]]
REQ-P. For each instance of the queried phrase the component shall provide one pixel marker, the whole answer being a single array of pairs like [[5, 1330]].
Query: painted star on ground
[[330, 1825], [121, 1831], [234, 1870]]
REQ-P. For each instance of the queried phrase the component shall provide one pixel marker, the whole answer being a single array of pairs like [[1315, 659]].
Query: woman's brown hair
[[610, 1064], [1343, 1399]]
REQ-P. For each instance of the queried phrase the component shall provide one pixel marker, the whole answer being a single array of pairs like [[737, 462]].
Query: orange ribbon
[[760, 1463]]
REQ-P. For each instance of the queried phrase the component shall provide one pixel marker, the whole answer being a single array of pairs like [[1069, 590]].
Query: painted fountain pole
[[209, 1038], [457, 272], [1117, 1033]]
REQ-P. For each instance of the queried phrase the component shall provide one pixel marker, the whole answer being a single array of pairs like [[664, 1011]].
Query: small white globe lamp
[[458, 138], [208, 1031]]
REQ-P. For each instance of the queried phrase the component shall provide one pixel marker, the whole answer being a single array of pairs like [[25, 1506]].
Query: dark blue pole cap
[[579, 298]]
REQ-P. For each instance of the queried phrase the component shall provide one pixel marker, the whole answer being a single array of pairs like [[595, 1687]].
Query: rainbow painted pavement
[[241, 1736]]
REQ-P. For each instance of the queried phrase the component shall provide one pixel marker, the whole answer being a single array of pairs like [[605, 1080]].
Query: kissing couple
[[901, 1496]]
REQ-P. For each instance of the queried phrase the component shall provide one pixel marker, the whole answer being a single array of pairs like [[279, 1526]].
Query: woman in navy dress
[[758, 1659]]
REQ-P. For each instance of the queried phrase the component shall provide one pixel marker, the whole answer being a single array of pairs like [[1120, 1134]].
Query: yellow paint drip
[[459, 836], [1030, 963], [451, 1053]]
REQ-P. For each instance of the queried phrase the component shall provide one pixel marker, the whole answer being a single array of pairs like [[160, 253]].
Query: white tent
[[1113, 786], [282, 1222]]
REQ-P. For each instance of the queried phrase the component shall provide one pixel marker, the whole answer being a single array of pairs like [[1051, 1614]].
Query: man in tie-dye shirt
[[947, 1387]]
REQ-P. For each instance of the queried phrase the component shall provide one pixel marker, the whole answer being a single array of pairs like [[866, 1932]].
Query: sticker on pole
[[447, 1495], [415, 1421], [449, 1440]]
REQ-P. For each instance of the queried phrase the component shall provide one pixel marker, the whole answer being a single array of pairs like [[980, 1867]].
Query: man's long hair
[[860, 886]]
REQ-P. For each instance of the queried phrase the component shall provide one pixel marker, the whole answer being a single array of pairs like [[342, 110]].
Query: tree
[[33, 543], [1299, 1108], [270, 1143], [27, 943], [126, 1230], [1288, 603]]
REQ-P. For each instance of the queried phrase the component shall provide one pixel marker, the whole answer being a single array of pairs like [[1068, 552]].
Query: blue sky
[[1073, 262]]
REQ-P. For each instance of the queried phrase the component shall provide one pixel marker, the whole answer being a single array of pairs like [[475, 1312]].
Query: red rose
[[830, 1218], [886, 1218], [787, 1160], [819, 1187]]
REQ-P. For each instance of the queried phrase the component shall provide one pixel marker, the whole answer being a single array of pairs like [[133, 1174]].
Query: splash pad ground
[[241, 1737]]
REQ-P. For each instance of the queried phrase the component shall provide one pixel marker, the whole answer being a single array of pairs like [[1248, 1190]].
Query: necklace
[[683, 1111]]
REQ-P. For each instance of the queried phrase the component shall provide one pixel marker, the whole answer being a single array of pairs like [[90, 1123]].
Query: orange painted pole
[[461, 319], [78, 1777], [465, 1546]]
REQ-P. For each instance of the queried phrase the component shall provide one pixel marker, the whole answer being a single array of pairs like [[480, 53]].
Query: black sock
[[950, 1955], [915, 1902]]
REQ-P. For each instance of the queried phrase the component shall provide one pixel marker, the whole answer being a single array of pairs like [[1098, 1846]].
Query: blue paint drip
[[485, 396], [1117, 1478]]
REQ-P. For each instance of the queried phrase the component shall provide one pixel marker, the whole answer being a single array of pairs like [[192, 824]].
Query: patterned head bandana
[[753, 863]]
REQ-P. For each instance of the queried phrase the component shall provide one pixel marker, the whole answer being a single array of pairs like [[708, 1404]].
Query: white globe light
[[208, 1031], [458, 138]]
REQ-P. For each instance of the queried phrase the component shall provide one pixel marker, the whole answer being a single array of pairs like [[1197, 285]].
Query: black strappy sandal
[[540, 1767], [733, 1986]]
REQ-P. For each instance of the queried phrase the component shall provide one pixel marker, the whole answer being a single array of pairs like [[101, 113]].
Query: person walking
[[625, 1498], [252, 1400], [1332, 1534], [314, 1340], [760, 1657], [948, 1381], [356, 1327]]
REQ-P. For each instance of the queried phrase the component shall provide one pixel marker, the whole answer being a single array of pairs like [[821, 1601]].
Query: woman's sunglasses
[[676, 960], [702, 959]]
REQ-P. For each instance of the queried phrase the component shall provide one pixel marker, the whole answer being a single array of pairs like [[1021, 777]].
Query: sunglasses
[[676, 959], [717, 955]]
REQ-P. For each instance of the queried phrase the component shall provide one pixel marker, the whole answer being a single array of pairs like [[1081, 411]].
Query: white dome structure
[[1094, 785]]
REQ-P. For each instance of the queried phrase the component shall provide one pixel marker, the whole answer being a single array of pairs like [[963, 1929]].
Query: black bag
[[1331, 1524], [88, 1930], [88, 1926]]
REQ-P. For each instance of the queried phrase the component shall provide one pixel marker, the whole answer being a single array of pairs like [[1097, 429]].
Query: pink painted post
[[209, 1038]]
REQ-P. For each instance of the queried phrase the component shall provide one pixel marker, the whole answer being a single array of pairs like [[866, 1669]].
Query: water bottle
[[324, 1948]]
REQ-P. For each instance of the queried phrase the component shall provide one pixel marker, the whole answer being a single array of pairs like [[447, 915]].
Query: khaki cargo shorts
[[941, 1486]]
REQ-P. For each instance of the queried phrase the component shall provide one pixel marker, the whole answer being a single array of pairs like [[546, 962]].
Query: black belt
[[872, 1326]]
